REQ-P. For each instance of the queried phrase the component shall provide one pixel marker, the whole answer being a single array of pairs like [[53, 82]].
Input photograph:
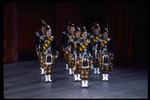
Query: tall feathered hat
[[68, 24], [104, 30], [44, 23], [72, 25], [96, 25], [84, 29], [77, 29], [48, 28]]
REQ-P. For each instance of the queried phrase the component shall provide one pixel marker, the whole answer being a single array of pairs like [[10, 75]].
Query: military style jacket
[[69, 42], [39, 40], [90, 34], [50, 46], [75, 48], [85, 49], [106, 44], [94, 40]]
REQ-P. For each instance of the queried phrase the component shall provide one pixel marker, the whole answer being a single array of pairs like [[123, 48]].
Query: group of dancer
[[83, 51]]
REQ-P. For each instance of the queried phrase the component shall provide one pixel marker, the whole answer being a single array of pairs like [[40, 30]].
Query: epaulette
[[108, 39]]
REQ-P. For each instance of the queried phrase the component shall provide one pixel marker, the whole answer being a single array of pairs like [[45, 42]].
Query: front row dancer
[[85, 58], [49, 53]]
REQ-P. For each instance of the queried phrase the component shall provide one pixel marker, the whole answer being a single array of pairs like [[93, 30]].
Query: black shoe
[[103, 80], [106, 80]]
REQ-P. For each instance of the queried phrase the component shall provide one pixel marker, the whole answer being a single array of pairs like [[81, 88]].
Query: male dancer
[[94, 39], [68, 46], [107, 54], [49, 53], [39, 42], [85, 57], [75, 54], [63, 41]]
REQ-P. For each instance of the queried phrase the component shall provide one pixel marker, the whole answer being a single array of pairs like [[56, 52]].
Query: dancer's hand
[[78, 62], [56, 56], [91, 61], [37, 53], [74, 68], [66, 52], [72, 58]]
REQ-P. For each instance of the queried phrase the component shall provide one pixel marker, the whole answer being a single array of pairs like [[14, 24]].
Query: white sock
[[66, 66], [107, 75], [98, 71], [49, 77], [42, 71], [70, 71], [46, 78], [86, 83], [83, 83], [79, 77], [75, 77], [103, 77], [94, 70]]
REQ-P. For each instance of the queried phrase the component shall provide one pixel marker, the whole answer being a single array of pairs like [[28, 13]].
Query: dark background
[[126, 21]]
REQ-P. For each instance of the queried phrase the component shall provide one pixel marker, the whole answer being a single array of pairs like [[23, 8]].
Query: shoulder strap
[[47, 42], [84, 45]]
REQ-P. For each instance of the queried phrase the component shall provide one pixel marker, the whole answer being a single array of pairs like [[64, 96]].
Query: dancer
[[68, 46], [85, 57], [94, 39], [49, 53], [75, 55], [64, 38], [107, 54], [39, 42]]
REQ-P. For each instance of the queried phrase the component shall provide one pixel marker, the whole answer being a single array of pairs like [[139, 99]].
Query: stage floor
[[23, 80]]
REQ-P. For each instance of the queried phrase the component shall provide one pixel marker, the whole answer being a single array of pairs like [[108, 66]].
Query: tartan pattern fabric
[[48, 69], [43, 63], [106, 52], [70, 62], [84, 76], [78, 69]]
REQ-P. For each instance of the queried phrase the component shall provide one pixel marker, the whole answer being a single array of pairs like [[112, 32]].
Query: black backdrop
[[130, 40]]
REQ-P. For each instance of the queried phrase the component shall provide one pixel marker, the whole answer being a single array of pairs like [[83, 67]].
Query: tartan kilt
[[69, 60], [96, 62], [65, 55], [44, 58], [80, 65], [110, 63]]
